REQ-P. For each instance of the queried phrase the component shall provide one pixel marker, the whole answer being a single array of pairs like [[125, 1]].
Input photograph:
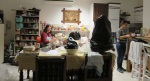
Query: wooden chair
[[27, 62], [51, 69], [90, 75], [137, 66], [76, 74]]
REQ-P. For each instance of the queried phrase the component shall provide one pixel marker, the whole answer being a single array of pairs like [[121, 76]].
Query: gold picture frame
[[71, 16]]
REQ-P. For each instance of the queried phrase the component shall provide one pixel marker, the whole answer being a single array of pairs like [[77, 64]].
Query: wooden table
[[26, 62], [45, 61]]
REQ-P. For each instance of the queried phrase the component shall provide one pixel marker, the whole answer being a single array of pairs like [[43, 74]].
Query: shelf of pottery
[[27, 28]]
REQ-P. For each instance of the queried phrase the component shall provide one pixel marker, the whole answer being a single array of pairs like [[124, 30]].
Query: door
[[100, 9]]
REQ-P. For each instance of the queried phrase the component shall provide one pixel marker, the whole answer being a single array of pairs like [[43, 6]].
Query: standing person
[[46, 36], [122, 35]]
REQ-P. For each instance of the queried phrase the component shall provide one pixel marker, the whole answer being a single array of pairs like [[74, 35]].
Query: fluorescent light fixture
[[61, 0]]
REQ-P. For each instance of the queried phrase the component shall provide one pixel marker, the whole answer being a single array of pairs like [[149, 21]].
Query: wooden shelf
[[19, 46], [26, 22], [26, 28], [27, 34], [27, 40], [27, 16], [124, 15], [28, 10], [30, 23], [70, 30], [30, 28], [67, 32]]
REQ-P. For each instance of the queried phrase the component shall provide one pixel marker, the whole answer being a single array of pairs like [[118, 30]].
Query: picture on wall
[[71, 16]]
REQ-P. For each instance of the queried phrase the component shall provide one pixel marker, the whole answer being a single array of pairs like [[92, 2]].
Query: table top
[[147, 39], [52, 53]]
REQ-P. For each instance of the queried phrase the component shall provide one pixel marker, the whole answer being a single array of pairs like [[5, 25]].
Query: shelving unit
[[67, 32], [124, 16], [26, 28], [138, 14]]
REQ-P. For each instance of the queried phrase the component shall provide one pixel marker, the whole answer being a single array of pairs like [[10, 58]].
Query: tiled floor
[[13, 73], [126, 76]]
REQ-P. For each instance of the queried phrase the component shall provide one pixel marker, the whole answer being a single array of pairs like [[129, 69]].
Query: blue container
[[19, 19]]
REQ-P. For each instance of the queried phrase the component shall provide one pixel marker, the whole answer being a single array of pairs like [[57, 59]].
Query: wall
[[51, 11], [146, 14], [1, 43]]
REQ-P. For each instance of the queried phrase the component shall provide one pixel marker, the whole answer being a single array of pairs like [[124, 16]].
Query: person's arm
[[124, 36], [44, 35]]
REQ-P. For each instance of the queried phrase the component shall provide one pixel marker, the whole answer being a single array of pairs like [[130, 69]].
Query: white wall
[[51, 11], [1, 43], [146, 14]]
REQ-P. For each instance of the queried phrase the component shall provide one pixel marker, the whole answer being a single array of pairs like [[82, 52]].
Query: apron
[[47, 45]]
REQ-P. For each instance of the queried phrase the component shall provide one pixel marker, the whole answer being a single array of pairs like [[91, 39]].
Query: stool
[[137, 61], [146, 73]]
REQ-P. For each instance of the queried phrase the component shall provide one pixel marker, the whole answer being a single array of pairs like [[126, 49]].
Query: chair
[[51, 69], [75, 67], [27, 62], [137, 60], [146, 73], [90, 74]]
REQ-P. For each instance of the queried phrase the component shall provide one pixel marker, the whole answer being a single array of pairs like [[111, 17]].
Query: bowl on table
[[71, 51]]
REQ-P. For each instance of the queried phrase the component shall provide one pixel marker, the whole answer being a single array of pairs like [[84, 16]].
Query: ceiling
[[61, 0]]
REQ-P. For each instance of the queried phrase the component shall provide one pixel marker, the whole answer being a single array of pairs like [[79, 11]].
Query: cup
[[138, 35]]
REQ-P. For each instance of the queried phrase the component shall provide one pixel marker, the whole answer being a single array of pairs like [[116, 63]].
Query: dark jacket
[[101, 40]]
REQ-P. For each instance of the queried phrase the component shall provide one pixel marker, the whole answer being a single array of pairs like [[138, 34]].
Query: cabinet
[[26, 28], [2, 43]]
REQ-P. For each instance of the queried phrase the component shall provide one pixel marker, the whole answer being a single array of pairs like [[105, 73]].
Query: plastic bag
[[75, 35], [71, 44], [7, 75]]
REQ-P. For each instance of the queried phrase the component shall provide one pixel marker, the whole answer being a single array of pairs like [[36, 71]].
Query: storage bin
[[19, 19]]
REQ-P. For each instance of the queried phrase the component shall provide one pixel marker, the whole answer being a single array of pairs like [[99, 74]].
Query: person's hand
[[128, 35], [52, 40]]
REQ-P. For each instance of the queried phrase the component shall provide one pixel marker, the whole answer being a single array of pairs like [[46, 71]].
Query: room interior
[[22, 23]]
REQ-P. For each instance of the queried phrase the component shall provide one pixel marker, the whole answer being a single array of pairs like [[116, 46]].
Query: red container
[[38, 39]]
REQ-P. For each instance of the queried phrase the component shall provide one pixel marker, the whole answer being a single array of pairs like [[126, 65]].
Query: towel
[[131, 51], [138, 52], [27, 61], [75, 61], [135, 52], [95, 61]]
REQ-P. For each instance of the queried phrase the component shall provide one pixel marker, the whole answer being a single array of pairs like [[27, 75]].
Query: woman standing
[[122, 35]]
